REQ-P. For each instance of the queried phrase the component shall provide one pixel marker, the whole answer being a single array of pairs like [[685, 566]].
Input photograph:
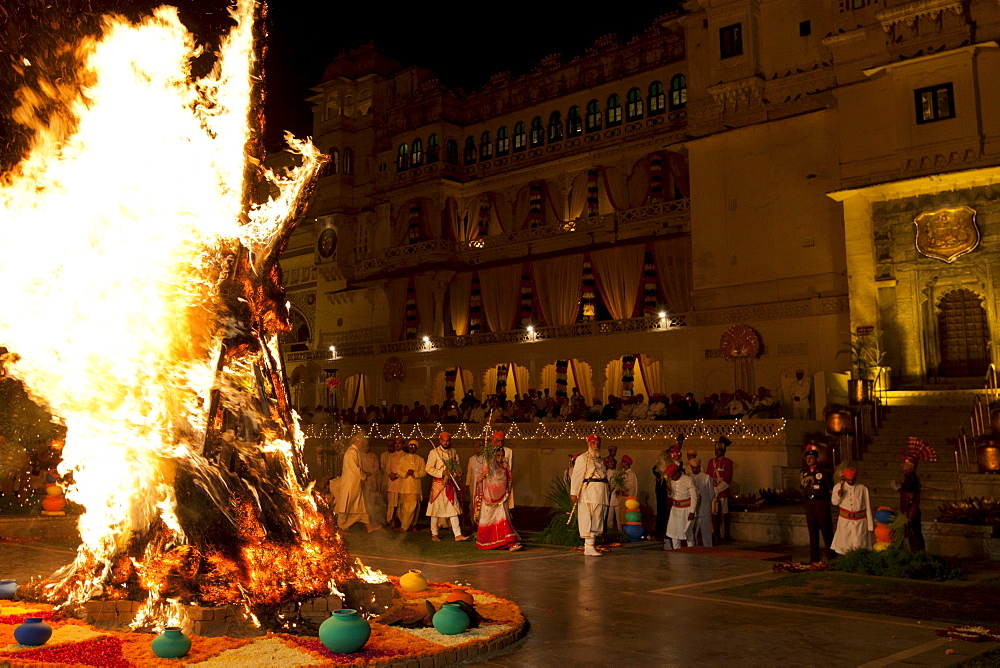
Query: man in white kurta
[[801, 389], [703, 511], [855, 523], [409, 471], [589, 490], [684, 493], [393, 454], [446, 498], [350, 502]]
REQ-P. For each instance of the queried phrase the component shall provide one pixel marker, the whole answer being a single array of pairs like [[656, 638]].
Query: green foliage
[[866, 354], [897, 563], [617, 482], [559, 532]]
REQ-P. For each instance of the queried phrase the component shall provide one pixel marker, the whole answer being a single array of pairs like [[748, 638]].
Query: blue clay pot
[[450, 620], [7, 589], [344, 631], [33, 632], [633, 531], [171, 644]]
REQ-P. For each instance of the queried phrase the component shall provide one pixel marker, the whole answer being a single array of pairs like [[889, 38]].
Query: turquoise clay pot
[[33, 632], [450, 620], [171, 644], [7, 589], [344, 632]]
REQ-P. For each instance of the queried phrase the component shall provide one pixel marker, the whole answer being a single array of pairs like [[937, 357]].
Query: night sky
[[460, 42]]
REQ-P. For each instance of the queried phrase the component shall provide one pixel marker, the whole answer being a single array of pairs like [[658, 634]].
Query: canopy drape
[[396, 293], [501, 293], [617, 272], [463, 382], [578, 375], [558, 283], [355, 391], [426, 319], [458, 302], [673, 265]]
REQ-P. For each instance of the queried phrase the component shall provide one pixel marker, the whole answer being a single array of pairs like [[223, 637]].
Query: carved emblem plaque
[[947, 234]]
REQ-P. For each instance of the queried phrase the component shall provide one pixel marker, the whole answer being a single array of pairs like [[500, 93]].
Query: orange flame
[[129, 218]]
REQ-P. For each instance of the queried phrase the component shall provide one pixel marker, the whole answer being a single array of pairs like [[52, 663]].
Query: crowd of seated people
[[535, 406]]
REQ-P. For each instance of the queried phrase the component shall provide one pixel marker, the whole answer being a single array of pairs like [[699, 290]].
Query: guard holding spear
[[445, 500], [589, 493]]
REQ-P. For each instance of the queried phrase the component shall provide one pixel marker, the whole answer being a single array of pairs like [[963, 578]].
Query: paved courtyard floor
[[641, 606]]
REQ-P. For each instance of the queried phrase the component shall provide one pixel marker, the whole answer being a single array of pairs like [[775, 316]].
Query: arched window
[[503, 142], [451, 152], [348, 161], [333, 165], [417, 154], [614, 110], [593, 116], [520, 139], [678, 92], [537, 132], [402, 157], [633, 111], [485, 147], [433, 149], [574, 124], [555, 126], [657, 100], [470, 150]]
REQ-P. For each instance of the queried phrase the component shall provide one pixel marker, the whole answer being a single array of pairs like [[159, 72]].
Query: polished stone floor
[[642, 606]]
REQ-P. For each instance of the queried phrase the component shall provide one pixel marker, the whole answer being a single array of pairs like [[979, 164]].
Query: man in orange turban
[[855, 522]]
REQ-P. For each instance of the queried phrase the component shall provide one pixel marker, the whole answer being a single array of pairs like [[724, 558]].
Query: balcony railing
[[594, 328], [671, 216]]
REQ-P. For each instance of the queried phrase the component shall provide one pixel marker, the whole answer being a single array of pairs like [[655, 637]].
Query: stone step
[[933, 399]]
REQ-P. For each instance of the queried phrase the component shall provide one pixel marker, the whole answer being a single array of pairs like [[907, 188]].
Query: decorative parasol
[[918, 448]]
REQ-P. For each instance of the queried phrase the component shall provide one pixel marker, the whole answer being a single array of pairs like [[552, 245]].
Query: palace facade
[[710, 205]]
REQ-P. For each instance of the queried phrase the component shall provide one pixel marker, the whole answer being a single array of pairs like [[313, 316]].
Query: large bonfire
[[141, 304]]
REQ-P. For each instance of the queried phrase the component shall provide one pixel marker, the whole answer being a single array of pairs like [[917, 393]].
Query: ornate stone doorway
[[963, 335]]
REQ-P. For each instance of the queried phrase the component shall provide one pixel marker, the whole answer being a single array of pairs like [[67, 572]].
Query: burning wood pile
[[142, 305]]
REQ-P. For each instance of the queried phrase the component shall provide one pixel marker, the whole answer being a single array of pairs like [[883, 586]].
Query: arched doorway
[[963, 335]]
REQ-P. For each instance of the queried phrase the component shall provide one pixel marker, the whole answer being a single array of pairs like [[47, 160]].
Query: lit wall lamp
[[333, 352], [531, 332], [427, 343], [663, 319]]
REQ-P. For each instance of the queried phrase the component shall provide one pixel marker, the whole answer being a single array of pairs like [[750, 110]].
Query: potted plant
[[866, 359]]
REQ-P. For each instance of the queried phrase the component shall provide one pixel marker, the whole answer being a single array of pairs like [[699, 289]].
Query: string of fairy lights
[[746, 431]]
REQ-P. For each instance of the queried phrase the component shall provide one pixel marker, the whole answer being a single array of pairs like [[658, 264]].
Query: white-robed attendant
[[446, 497], [589, 490], [680, 525], [855, 522], [703, 511], [350, 501]]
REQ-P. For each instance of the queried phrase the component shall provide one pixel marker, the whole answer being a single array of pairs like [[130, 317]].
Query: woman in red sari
[[495, 528]]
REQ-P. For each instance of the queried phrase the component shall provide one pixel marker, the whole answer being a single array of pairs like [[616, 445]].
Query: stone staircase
[[938, 425]]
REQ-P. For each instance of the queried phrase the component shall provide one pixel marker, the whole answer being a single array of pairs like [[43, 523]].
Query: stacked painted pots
[[53, 503], [633, 519], [884, 535]]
